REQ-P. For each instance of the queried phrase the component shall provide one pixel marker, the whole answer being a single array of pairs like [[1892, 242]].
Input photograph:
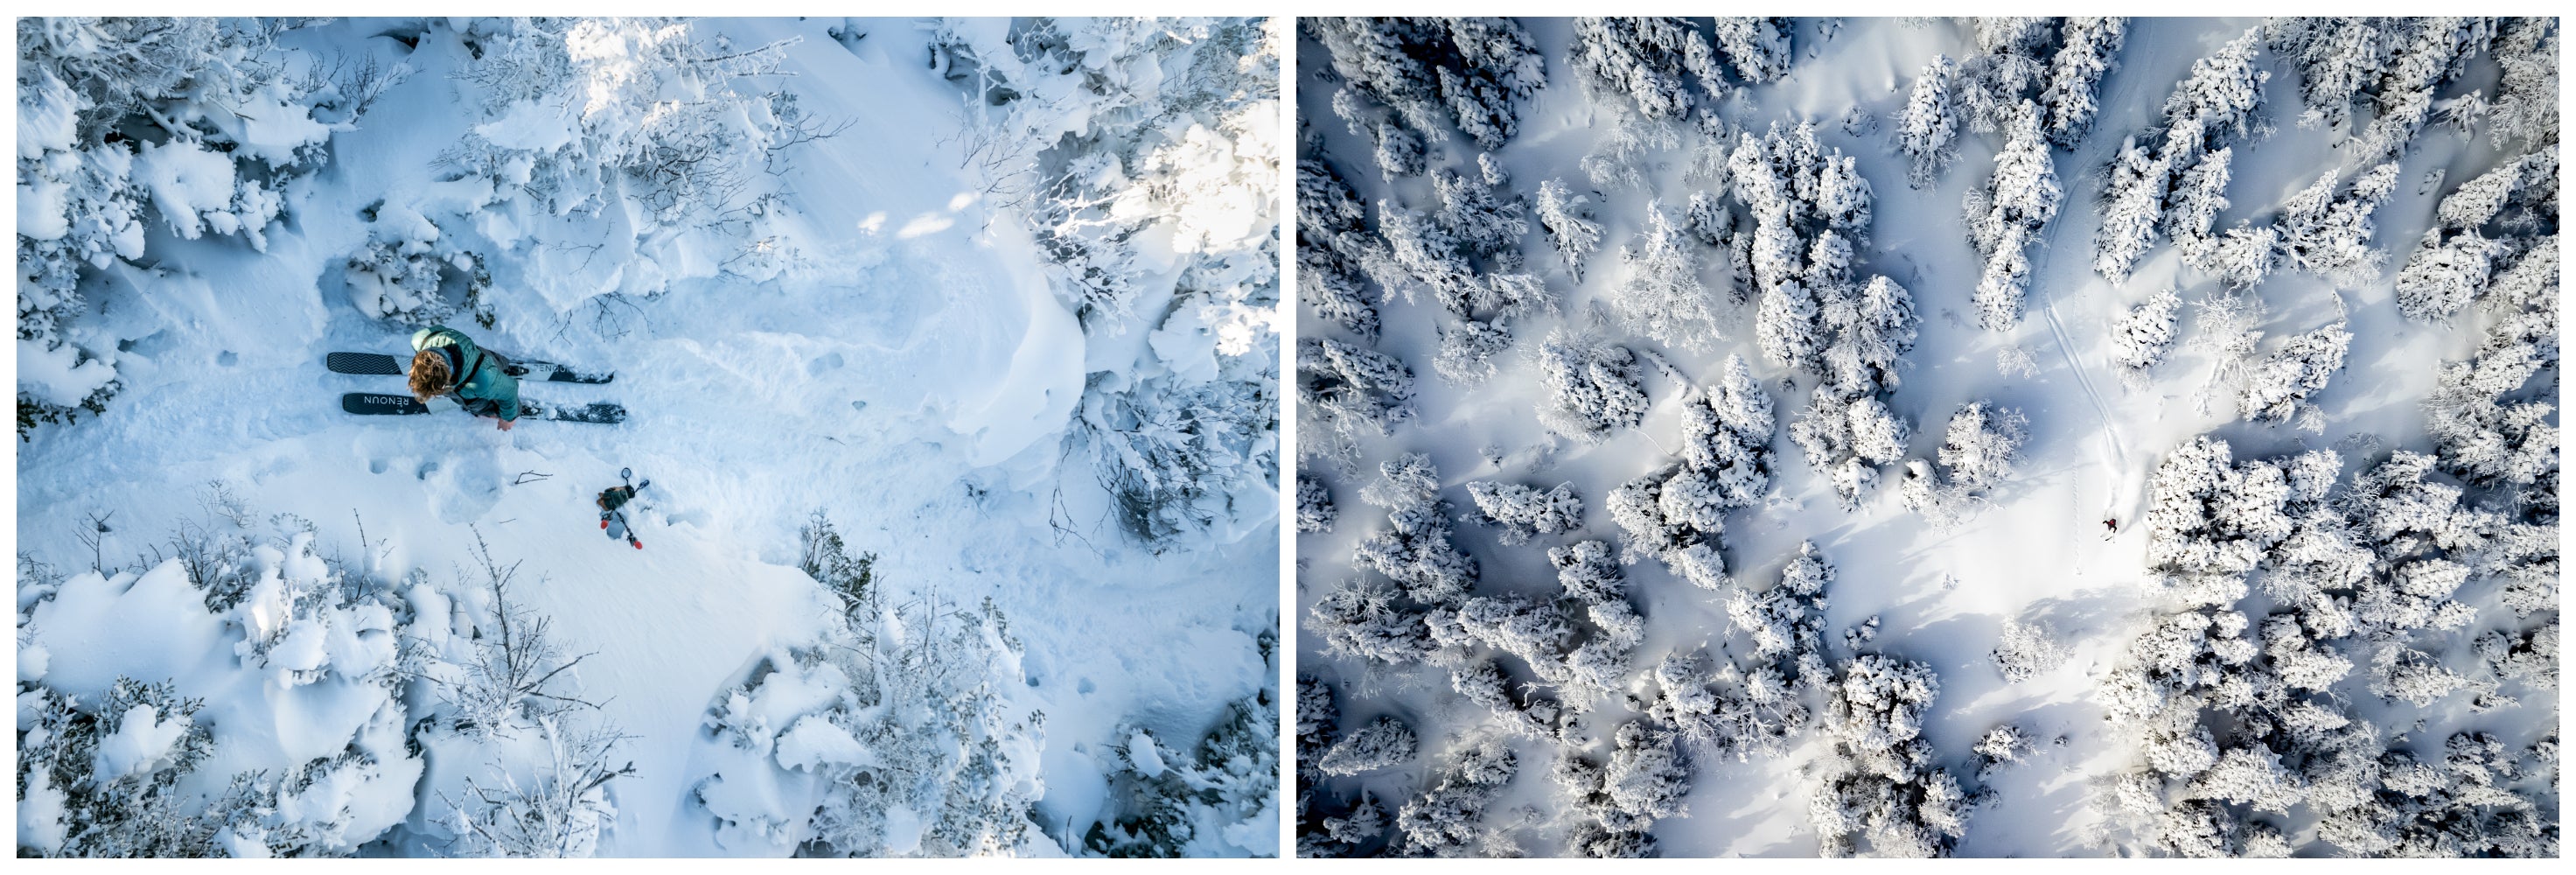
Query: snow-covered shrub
[[1481, 683], [1210, 802], [2277, 390], [509, 673], [1447, 819], [1466, 353], [822, 555], [1786, 622], [1525, 512], [1999, 749], [674, 129], [1592, 387], [202, 122], [1346, 393], [1982, 444], [1486, 225], [902, 708], [1726, 434], [1185, 148], [325, 688], [1676, 515], [1846, 439], [561, 809], [1623, 157], [103, 781], [402, 274]]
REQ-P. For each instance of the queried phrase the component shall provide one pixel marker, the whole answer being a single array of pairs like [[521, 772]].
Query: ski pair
[[379, 404]]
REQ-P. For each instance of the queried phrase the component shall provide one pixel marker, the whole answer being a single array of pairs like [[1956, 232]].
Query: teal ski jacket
[[482, 386]]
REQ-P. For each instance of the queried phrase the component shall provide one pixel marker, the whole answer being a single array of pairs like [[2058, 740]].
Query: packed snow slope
[[910, 375], [2035, 550]]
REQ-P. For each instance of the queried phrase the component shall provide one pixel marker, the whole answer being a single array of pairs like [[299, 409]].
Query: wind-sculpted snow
[[2010, 436]]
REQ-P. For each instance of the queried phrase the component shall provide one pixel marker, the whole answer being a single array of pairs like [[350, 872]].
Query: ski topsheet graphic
[[374, 404], [379, 364]]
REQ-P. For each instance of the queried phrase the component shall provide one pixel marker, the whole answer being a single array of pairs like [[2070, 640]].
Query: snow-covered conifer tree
[[1382, 744], [1315, 511], [1661, 294], [1650, 61], [2018, 201], [1524, 512], [2091, 45], [2025, 650], [1592, 387], [2328, 234], [1414, 550], [1875, 712], [2132, 209], [2276, 388], [1332, 244], [1345, 393], [1361, 620], [1568, 220], [1587, 573], [1758, 48], [1927, 129], [2141, 336], [1448, 818], [1466, 352], [1982, 444]]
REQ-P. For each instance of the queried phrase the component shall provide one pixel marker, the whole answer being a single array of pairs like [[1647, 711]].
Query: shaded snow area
[[946, 348], [1980, 437]]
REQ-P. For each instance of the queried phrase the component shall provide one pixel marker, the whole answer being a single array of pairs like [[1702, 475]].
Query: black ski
[[372, 404], [379, 364]]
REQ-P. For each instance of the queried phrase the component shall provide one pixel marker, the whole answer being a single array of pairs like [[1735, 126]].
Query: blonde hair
[[430, 375]]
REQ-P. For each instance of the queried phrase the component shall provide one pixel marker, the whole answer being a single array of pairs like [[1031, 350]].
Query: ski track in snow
[[914, 385]]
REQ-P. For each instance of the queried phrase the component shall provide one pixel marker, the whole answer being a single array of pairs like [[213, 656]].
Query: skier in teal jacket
[[446, 362]]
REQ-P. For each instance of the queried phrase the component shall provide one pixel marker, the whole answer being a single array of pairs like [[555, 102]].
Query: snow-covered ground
[[906, 367], [2034, 549]]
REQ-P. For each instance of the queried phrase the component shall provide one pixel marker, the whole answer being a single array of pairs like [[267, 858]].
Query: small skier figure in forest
[[446, 362]]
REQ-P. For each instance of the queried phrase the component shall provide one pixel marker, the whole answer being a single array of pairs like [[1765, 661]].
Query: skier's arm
[[505, 392]]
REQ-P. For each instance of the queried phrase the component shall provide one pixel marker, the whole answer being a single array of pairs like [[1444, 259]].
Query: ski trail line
[[2119, 456]]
